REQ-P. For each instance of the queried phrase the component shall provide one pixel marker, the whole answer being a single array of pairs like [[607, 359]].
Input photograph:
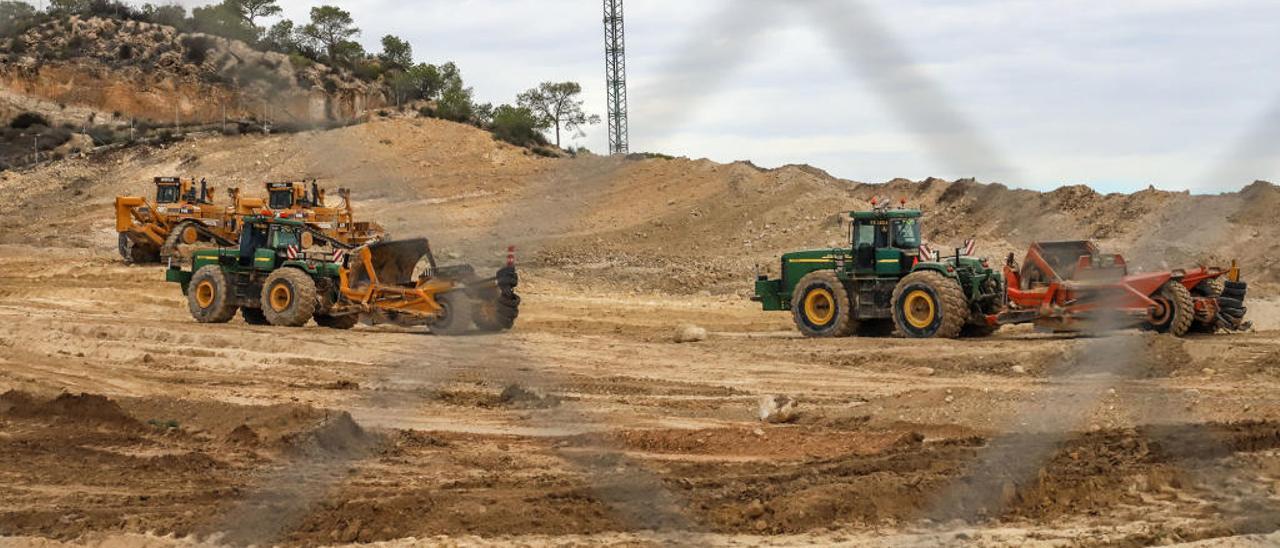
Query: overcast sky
[[1182, 94]]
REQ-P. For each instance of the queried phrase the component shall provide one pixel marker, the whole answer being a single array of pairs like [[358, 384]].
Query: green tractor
[[885, 280], [286, 273]]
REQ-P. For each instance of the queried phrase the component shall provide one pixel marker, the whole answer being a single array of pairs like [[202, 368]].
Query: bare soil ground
[[123, 422]]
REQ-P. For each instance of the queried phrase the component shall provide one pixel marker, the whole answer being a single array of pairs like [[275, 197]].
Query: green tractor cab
[[885, 280]]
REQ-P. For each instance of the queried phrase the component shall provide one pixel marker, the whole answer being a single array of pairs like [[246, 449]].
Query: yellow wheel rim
[[204, 294], [281, 297], [919, 309], [189, 235], [819, 306]]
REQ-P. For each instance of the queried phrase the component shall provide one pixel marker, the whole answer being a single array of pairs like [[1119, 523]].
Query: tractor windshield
[[284, 237], [906, 233], [281, 199], [167, 194]]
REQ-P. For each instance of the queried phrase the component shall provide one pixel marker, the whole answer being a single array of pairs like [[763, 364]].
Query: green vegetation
[[556, 104]]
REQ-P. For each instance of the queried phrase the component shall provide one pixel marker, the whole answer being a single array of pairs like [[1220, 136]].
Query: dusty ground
[[122, 422], [125, 417]]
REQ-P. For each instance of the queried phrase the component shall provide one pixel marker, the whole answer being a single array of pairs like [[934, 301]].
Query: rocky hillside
[[77, 71]]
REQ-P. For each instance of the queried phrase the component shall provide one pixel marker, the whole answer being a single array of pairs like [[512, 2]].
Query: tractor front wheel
[[1175, 310], [821, 307], [209, 296], [289, 298], [928, 304]]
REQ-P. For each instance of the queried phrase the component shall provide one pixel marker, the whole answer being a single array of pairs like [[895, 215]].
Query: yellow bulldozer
[[182, 212], [305, 201]]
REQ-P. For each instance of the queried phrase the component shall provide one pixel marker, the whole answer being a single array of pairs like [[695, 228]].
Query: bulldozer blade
[[392, 262]]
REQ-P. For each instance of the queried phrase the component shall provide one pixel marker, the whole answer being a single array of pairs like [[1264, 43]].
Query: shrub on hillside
[[516, 125], [28, 119]]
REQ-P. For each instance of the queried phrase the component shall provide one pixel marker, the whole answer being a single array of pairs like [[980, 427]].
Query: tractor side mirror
[[307, 240]]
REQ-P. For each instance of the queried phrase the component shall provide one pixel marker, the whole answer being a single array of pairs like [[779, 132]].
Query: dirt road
[[126, 421]]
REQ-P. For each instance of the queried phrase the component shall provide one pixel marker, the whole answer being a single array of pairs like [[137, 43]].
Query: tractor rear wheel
[[209, 296], [928, 304], [821, 307], [1177, 310], [289, 297], [455, 314], [337, 322], [253, 316]]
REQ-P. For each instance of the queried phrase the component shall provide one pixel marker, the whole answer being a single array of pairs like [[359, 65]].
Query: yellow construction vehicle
[[305, 201], [182, 212]]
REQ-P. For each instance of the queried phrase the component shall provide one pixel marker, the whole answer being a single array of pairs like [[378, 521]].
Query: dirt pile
[[88, 408]]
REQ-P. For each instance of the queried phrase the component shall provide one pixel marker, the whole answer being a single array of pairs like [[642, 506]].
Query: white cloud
[[1129, 93]]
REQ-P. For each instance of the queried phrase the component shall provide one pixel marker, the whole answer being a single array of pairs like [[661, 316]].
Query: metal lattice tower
[[615, 65]]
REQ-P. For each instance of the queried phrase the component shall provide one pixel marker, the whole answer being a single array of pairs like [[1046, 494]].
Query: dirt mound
[[243, 435], [337, 436], [83, 407]]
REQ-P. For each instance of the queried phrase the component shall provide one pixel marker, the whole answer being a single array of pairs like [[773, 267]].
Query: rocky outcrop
[[132, 69]]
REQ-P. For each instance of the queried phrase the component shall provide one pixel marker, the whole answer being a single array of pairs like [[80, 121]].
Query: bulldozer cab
[[885, 241], [288, 195], [169, 190], [173, 190]]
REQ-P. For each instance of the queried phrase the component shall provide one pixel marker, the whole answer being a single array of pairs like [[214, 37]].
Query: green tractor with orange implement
[[885, 280]]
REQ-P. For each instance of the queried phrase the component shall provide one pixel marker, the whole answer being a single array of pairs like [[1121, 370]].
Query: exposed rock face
[[132, 69]]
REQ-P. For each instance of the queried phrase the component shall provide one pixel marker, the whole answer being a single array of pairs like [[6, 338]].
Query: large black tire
[[820, 306], [1179, 310], [455, 318], [1236, 313], [209, 296], [1229, 303], [337, 322], [289, 298], [253, 316], [928, 304]]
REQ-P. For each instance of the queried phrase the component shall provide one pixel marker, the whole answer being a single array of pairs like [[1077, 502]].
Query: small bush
[[516, 125], [427, 112], [102, 135], [545, 152], [28, 119]]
